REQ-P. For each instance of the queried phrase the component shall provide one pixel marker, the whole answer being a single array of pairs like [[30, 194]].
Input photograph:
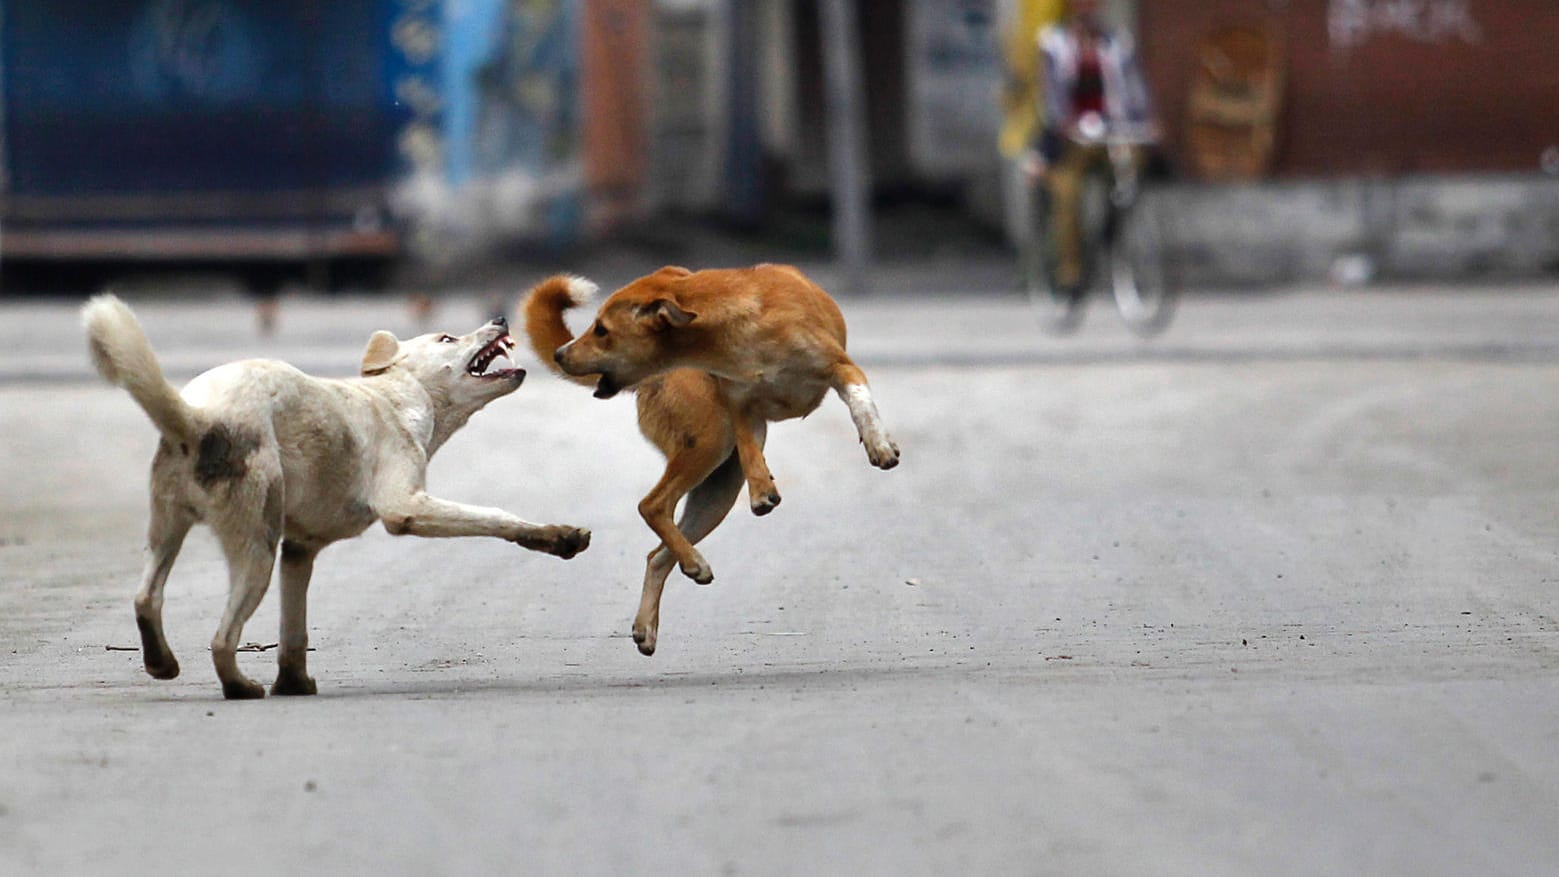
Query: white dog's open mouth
[[501, 347]]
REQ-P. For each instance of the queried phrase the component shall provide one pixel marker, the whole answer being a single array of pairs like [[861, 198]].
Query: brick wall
[[1383, 86]]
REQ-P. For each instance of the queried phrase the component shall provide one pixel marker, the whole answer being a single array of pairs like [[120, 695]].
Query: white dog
[[270, 457]]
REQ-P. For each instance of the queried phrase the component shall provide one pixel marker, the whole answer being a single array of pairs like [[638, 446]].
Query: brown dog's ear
[[383, 349], [661, 313], [674, 271]]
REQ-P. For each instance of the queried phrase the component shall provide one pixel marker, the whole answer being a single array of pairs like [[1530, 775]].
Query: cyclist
[[1092, 89]]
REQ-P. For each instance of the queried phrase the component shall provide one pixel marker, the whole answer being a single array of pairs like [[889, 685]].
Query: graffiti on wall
[[952, 54], [1352, 23], [415, 38], [194, 50], [501, 141]]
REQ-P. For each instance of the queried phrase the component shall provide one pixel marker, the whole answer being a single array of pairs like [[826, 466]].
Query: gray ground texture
[[1272, 594]]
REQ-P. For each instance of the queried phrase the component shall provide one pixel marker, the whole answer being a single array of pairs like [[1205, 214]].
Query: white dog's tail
[[124, 357]]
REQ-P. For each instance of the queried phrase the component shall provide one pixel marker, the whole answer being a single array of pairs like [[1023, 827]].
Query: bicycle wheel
[[1140, 275], [1058, 310]]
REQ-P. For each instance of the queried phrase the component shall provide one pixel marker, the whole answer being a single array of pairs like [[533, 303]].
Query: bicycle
[[1121, 229]]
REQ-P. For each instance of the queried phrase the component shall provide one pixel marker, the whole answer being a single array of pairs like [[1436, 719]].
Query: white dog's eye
[[447, 339]]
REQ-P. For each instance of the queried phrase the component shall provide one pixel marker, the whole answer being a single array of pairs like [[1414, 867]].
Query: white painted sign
[[1352, 23], [953, 71]]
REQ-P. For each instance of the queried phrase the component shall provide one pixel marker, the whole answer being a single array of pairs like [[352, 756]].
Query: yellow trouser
[[1064, 181]]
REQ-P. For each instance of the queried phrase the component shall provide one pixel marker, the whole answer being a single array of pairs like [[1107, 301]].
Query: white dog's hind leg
[[297, 566], [164, 538], [249, 529], [850, 383], [249, 563]]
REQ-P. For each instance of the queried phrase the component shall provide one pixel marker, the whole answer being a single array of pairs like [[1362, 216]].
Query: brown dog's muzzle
[[605, 388]]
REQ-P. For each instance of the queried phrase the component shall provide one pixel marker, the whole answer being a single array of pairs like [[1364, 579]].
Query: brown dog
[[714, 356]]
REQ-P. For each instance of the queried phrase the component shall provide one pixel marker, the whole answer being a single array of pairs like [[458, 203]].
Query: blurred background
[[366, 143], [1275, 593]]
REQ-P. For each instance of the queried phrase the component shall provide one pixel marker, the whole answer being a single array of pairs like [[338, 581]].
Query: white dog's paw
[[571, 541], [242, 689], [559, 541], [290, 682]]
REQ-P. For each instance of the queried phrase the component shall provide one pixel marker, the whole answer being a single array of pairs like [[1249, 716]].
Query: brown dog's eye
[[599, 330], [447, 339]]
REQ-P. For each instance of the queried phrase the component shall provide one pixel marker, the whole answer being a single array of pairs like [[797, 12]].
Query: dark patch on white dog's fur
[[223, 455]]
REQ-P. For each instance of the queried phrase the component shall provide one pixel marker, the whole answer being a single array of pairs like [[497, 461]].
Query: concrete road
[[1275, 594]]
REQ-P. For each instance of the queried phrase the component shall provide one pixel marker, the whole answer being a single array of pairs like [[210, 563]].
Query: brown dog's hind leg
[[706, 506], [850, 383], [164, 538]]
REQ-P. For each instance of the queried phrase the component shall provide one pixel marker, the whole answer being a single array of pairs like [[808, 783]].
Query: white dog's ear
[[663, 312], [383, 350]]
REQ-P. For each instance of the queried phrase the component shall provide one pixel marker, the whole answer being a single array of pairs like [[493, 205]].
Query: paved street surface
[[1277, 593]]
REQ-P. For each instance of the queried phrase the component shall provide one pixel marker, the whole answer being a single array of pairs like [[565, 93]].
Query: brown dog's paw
[[645, 640], [764, 503], [884, 454], [569, 541], [698, 571]]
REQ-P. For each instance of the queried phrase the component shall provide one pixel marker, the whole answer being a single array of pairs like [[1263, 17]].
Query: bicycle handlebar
[[1093, 130]]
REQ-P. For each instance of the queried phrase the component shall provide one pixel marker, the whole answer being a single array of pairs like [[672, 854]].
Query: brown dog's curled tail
[[543, 312]]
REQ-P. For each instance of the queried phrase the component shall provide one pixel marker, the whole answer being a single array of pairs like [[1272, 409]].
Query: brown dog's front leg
[[749, 432], [686, 468], [656, 509], [705, 508]]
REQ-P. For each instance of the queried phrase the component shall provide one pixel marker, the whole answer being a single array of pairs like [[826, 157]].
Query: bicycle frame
[[1129, 248]]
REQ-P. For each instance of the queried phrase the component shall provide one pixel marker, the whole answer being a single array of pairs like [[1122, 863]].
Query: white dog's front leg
[[292, 671], [422, 515]]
